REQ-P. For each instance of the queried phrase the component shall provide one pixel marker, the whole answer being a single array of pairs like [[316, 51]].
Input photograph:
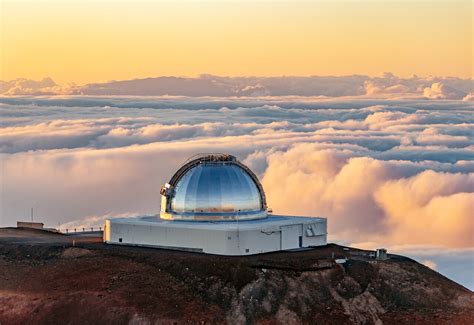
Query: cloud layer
[[385, 86], [387, 201]]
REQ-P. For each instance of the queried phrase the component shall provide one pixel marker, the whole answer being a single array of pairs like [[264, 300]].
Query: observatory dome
[[213, 187]]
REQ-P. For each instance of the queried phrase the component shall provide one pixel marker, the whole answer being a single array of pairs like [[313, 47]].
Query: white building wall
[[166, 237], [320, 229], [254, 239], [291, 236]]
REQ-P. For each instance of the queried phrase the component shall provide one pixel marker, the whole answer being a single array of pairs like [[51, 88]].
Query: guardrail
[[79, 230]]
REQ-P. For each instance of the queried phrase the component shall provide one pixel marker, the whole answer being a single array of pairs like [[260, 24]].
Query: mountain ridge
[[48, 278]]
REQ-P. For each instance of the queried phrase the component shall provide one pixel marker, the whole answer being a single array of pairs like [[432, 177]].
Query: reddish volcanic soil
[[45, 280]]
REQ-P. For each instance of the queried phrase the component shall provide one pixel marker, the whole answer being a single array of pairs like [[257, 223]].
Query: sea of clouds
[[386, 172]]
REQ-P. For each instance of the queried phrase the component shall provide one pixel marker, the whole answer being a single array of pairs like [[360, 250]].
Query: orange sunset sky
[[91, 41]]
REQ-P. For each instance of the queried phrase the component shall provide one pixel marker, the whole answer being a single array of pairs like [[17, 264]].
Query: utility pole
[[31, 214]]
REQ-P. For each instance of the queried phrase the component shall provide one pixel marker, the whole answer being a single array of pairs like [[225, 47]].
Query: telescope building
[[214, 204]]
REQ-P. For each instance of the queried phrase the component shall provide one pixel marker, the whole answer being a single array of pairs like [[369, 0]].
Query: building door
[[290, 236]]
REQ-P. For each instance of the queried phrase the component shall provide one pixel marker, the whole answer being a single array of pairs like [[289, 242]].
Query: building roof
[[270, 222]]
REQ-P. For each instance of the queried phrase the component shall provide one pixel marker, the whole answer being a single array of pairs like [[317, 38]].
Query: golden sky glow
[[86, 41]]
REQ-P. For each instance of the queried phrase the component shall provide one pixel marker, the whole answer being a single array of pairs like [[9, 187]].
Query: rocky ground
[[45, 278]]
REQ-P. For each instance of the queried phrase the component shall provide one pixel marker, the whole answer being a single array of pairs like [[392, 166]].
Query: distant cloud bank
[[385, 86]]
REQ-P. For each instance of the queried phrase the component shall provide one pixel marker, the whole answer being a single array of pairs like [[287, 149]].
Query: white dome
[[213, 187]]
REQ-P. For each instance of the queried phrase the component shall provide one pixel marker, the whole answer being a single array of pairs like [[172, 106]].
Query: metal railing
[[79, 230]]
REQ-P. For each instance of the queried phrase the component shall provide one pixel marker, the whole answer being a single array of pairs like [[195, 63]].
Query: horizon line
[[204, 75]]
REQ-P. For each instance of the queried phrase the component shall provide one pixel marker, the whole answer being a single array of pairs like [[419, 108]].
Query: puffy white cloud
[[22, 86], [95, 222], [373, 88], [469, 97], [368, 198], [390, 86], [439, 204], [440, 90]]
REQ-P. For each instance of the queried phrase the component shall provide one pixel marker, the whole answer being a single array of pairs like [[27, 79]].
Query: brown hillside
[[45, 280]]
